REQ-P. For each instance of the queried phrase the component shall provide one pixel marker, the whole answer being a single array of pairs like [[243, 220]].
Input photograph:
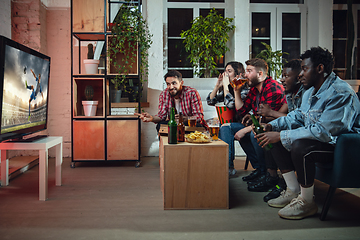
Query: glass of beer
[[192, 121], [214, 128], [237, 83]]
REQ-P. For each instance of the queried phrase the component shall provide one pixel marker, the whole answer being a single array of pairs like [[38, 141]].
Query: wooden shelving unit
[[113, 134]]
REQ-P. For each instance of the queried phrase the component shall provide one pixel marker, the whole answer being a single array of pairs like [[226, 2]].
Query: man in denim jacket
[[329, 107]]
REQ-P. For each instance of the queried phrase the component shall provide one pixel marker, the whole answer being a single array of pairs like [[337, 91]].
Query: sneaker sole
[[277, 205], [300, 217]]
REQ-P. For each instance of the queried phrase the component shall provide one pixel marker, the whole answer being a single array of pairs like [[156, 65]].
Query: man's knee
[[302, 146]]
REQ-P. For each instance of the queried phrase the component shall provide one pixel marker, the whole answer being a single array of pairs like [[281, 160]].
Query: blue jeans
[[248, 143]]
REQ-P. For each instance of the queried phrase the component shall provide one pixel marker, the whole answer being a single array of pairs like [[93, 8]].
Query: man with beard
[[293, 91], [329, 107], [183, 98], [263, 89]]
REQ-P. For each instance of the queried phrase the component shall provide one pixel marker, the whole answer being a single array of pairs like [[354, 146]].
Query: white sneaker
[[232, 172], [298, 209], [284, 199]]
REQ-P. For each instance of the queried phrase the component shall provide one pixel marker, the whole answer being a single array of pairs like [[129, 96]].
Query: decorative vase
[[90, 107], [91, 66], [115, 96]]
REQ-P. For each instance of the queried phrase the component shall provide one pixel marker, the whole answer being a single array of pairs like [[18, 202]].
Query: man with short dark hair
[[263, 89], [308, 134], [293, 90], [183, 98]]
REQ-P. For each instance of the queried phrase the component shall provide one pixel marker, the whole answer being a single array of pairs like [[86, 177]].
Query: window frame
[[356, 11], [195, 6], [276, 11]]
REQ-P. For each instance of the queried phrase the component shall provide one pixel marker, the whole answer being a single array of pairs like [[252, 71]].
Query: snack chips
[[197, 137]]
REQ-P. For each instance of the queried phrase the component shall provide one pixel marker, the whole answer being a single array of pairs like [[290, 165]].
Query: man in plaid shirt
[[185, 99], [265, 90]]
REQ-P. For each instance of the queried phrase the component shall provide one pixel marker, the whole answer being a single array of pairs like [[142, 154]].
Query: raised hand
[[226, 80]]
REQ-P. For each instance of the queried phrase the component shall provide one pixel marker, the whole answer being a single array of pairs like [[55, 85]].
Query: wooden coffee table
[[194, 175]]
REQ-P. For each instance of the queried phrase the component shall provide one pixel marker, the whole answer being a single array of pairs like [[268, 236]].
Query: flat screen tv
[[24, 85]]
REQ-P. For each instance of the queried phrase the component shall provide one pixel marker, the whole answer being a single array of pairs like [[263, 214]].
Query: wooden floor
[[115, 200], [18, 165]]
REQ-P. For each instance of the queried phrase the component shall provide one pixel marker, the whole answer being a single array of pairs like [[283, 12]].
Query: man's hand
[[242, 132], [145, 117], [246, 121], [267, 137], [264, 110]]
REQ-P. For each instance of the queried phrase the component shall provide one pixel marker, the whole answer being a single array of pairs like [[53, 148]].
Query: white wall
[[5, 18], [319, 23], [240, 40]]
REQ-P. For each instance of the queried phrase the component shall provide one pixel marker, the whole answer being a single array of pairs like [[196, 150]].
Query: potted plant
[[127, 47], [89, 105], [274, 59], [91, 65], [206, 41]]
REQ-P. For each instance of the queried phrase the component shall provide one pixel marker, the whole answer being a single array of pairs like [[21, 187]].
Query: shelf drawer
[[123, 139], [88, 140]]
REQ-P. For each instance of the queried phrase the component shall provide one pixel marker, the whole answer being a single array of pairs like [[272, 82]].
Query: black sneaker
[[253, 175], [275, 192], [260, 178], [264, 185]]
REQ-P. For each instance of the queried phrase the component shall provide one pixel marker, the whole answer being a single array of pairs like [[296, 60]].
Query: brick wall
[[58, 48], [47, 30], [28, 24]]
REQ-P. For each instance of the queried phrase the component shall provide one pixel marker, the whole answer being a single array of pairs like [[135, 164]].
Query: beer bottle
[[172, 127], [259, 129], [181, 129]]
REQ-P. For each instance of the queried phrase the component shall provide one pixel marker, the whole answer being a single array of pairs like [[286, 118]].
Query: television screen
[[24, 82]]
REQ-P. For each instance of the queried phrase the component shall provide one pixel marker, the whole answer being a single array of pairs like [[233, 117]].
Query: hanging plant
[[129, 41]]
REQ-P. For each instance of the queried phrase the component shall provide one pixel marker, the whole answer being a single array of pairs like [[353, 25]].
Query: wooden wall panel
[[88, 15]]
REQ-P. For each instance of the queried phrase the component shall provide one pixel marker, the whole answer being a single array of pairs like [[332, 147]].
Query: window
[[291, 35], [340, 37], [280, 26], [218, 1], [278, 1], [179, 17]]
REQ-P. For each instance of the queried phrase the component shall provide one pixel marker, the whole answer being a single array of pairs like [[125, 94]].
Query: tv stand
[[42, 145], [30, 139]]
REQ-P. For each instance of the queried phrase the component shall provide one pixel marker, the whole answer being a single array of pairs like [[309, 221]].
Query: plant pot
[[90, 107], [91, 66], [115, 96]]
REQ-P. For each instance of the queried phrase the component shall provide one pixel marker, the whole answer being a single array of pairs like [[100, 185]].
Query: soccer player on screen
[[35, 91]]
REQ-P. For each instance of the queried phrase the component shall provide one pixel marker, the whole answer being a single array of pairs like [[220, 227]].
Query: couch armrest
[[347, 161]]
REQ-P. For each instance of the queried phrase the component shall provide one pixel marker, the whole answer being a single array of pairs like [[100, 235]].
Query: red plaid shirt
[[190, 103], [272, 93]]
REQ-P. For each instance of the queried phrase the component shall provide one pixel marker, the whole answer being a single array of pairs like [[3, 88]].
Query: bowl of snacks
[[198, 137]]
